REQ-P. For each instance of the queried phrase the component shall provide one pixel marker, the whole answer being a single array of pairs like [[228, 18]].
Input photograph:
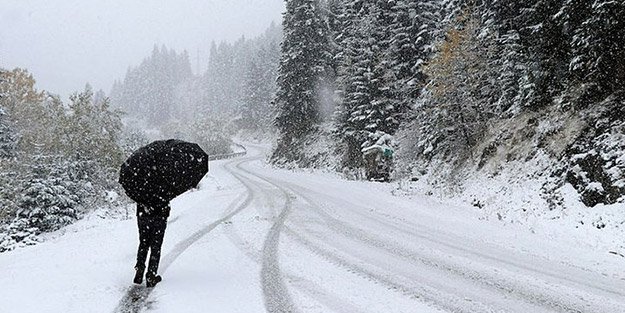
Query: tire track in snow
[[343, 264], [275, 292], [427, 293], [333, 259], [136, 297], [277, 296], [304, 285], [418, 293]]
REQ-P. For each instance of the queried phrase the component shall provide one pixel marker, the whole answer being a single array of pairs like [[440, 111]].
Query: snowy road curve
[[430, 266], [258, 239]]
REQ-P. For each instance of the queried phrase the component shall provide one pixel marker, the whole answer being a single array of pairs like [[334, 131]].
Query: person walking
[[152, 221], [152, 176]]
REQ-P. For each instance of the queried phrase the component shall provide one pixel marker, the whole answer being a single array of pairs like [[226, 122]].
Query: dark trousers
[[151, 232]]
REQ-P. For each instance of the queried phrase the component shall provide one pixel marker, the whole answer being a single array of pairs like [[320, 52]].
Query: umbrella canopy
[[164, 169]]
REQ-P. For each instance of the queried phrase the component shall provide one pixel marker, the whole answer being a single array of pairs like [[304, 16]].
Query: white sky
[[66, 43]]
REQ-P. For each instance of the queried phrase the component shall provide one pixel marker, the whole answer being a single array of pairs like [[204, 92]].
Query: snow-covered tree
[[403, 50], [259, 89], [456, 107], [212, 134], [546, 46], [7, 136], [132, 138], [23, 103], [49, 200], [65, 161], [149, 90], [598, 48], [223, 82], [8, 139], [369, 74], [93, 130], [256, 112], [302, 65]]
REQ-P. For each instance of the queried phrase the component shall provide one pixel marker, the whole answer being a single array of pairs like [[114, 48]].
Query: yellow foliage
[[456, 57], [24, 105], [18, 88]]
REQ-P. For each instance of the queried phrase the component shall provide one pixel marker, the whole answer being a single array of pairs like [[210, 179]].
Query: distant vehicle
[[378, 156]]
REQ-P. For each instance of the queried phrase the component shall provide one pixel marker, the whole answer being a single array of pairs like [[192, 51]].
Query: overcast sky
[[66, 43]]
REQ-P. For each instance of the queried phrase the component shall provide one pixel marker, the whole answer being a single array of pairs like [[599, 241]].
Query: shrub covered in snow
[[48, 205], [17, 234], [49, 193]]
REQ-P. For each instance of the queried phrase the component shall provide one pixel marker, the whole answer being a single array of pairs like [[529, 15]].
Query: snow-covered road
[[257, 239]]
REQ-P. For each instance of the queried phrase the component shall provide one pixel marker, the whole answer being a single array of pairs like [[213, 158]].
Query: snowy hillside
[[536, 170], [256, 239]]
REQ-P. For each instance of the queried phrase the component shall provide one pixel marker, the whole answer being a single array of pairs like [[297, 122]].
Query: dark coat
[[144, 210]]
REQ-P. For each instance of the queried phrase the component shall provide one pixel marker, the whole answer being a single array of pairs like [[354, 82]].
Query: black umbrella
[[163, 170]]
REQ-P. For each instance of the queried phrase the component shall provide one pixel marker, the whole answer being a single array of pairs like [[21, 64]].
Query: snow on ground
[[90, 266], [513, 196], [258, 239]]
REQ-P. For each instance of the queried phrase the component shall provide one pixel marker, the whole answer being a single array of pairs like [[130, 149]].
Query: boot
[[151, 281], [139, 274]]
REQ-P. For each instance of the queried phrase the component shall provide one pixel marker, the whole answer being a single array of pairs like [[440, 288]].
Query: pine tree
[[251, 107], [7, 135], [547, 53], [336, 20], [344, 32], [510, 59], [67, 157], [403, 52], [413, 34], [330, 13], [52, 193], [598, 47], [259, 89], [8, 138], [209, 83], [373, 70], [301, 68], [223, 82], [149, 91], [260, 81], [353, 85]]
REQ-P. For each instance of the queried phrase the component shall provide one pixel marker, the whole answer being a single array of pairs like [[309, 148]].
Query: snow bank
[[540, 170]]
